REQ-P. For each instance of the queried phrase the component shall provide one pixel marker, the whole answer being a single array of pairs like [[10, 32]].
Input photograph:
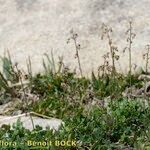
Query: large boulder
[[34, 27]]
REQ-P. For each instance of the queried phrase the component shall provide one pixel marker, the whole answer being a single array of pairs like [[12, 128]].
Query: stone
[[34, 27], [9, 107], [52, 123], [144, 77]]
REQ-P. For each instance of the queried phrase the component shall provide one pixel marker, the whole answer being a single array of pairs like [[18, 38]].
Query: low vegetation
[[96, 113]]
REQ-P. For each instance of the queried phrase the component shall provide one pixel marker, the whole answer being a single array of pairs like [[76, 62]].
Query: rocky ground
[[13, 108], [33, 27]]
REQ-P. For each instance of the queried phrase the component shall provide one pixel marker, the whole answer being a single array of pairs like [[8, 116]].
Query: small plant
[[3, 82], [9, 75], [106, 32], [25, 99], [74, 37], [105, 69], [130, 37], [29, 68], [49, 67], [112, 81], [146, 57], [9, 71]]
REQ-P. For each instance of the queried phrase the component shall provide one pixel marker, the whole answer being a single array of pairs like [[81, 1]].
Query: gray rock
[[17, 112], [144, 77], [10, 107], [52, 123], [33, 27]]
